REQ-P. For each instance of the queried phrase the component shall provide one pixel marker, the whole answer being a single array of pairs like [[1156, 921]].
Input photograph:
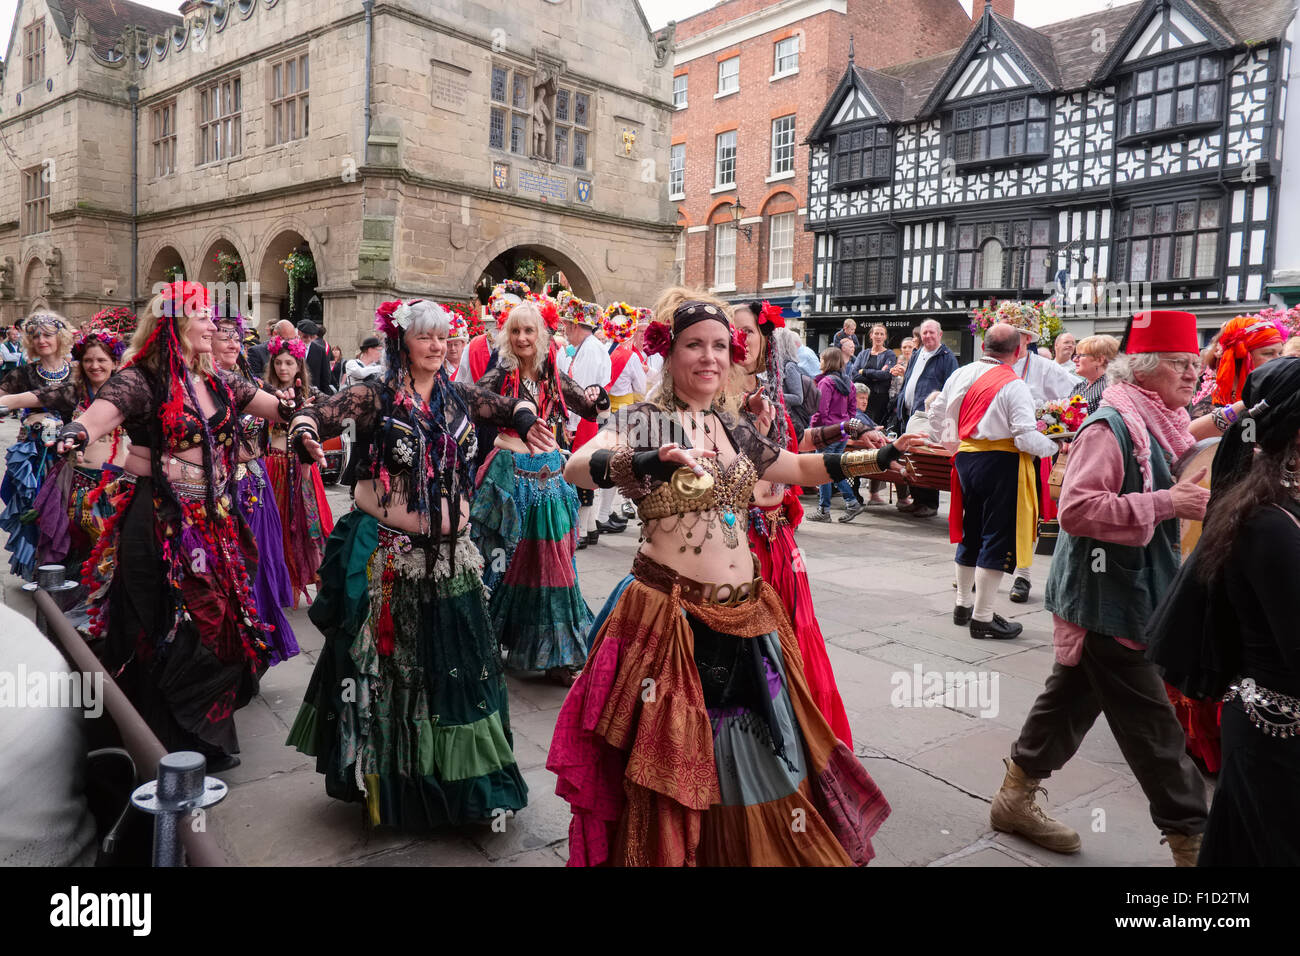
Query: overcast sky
[[659, 12]]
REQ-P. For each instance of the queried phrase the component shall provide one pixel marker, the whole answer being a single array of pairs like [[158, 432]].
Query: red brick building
[[750, 78]]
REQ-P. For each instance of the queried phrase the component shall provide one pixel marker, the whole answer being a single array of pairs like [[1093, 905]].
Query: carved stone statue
[[663, 43], [543, 114], [54, 280], [8, 278]]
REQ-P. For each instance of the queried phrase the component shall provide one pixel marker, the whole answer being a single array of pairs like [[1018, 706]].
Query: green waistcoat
[[1113, 588]]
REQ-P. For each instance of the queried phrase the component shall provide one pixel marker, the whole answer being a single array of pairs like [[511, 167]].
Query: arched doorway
[[541, 267], [223, 271], [288, 281], [167, 266]]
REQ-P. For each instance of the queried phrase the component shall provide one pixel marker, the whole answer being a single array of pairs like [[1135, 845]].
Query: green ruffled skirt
[[419, 731]]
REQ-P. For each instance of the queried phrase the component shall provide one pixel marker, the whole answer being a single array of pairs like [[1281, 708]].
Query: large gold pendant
[[687, 484]]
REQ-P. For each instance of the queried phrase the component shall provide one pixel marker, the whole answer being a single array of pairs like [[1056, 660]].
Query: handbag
[[1056, 477]]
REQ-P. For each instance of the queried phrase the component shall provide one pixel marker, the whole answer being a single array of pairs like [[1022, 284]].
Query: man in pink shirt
[[1116, 557]]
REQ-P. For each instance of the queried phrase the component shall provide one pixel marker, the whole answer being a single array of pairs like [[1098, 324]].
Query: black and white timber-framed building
[[1135, 151]]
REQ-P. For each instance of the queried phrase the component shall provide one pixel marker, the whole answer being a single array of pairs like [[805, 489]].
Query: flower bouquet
[[1061, 419]]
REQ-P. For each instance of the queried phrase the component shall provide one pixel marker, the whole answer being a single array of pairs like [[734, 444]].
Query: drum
[[1202, 456]]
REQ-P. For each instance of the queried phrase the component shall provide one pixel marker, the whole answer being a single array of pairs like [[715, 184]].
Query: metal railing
[[182, 785]]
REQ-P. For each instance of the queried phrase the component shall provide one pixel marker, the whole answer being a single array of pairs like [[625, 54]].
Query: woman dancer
[[168, 580], [406, 709], [305, 516], [69, 516], [525, 514], [691, 737], [775, 513], [272, 589], [47, 340]]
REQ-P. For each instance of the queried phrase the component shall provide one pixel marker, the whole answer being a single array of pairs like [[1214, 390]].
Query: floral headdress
[[620, 321], [644, 316], [457, 327], [295, 347], [659, 335], [550, 311], [393, 318], [579, 311], [1038, 319], [505, 296], [107, 339]]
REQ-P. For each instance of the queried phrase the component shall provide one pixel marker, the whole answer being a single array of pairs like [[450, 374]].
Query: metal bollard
[[50, 578], [181, 788]]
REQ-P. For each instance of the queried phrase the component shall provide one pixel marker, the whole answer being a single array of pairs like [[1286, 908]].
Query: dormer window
[[862, 156], [999, 132], [1172, 98]]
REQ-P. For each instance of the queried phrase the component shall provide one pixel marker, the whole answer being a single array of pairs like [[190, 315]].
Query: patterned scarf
[[1144, 414]]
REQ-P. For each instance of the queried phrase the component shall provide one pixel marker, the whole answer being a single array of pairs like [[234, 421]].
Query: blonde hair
[[1103, 347], [63, 335], [144, 330], [523, 312]]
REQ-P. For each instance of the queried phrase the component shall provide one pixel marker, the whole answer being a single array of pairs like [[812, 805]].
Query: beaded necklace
[[54, 377]]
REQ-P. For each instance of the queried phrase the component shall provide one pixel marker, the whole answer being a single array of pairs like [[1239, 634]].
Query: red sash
[[974, 404], [480, 353], [617, 362]]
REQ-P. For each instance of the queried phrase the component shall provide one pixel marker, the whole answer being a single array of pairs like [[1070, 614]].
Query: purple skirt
[[271, 588]]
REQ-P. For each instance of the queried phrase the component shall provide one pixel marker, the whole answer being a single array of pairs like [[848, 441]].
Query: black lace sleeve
[[645, 426], [18, 380], [762, 451], [357, 404], [240, 387], [487, 406], [60, 399], [575, 397], [130, 393], [492, 379]]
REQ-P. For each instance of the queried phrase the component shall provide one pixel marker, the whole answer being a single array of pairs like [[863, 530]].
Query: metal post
[[50, 579], [181, 788]]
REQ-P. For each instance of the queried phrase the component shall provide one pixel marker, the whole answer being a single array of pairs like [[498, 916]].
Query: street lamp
[[737, 214]]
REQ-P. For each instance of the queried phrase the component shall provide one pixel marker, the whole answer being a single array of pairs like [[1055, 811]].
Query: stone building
[[749, 79], [387, 147]]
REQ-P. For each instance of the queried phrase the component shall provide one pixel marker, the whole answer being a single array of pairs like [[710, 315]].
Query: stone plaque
[[450, 86], [547, 187]]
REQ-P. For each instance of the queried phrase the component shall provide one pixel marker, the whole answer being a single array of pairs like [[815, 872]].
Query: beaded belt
[[767, 521], [402, 541], [658, 576], [1277, 715]]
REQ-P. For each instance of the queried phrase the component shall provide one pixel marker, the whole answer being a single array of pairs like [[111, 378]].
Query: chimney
[[1006, 8]]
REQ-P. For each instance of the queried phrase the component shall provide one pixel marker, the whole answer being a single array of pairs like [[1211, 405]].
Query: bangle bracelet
[[1230, 413], [844, 434], [1220, 420]]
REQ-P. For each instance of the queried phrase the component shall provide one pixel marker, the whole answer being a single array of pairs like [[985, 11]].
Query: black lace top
[[26, 378], [131, 392], [499, 380], [645, 426]]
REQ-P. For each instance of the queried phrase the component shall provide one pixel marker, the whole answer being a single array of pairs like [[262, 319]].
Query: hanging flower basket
[[531, 271], [300, 268], [174, 274], [229, 267]]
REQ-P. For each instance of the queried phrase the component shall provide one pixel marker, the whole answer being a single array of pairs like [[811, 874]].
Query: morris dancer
[[406, 709], [627, 383], [305, 516], [590, 366], [985, 414], [47, 338], [272, 588], [524, 517], [169, 580], [726, 746]]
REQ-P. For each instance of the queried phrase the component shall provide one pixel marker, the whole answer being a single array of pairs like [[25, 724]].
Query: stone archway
[[165, 260], [224, 270], [497, 260], [273, 295]]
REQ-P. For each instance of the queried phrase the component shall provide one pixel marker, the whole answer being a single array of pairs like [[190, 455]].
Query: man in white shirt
[[590, 366], [369, 364], [986, 415], [12, 353], [1064, 351], [626, 386]]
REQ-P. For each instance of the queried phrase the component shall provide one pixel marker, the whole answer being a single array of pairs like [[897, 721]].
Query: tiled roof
[[110, 18]]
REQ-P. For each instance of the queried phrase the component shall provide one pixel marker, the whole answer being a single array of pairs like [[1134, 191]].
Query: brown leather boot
[[1014, 811], [1186, 847]]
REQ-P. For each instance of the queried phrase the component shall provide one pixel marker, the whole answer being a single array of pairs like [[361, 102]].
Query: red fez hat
[[1161, 332]]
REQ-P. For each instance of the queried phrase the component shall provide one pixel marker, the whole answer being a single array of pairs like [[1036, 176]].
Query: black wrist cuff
[[887, 455], [602, 400], [648, 464], [296, 442], [73, 436], [600, 468], [524, 419], [833, 468]]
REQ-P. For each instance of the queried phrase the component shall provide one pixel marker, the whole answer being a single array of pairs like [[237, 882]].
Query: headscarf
[[1272, 398], [1240, 337]]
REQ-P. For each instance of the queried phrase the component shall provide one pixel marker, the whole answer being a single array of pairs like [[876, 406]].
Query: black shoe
[[617, 520], [606, 527], [998, 629], [222, 763], [961, 615], [582, 543], [1019, 591], [593, 538]]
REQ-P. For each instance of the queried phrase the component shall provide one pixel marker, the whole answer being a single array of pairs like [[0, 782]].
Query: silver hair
[[524, 311], [935, 322], [785, 343], [1126, 368], [427, 317]]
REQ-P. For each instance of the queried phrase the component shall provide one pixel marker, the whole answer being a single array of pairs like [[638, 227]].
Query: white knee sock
[[1023, 573], [605, 502], [586, 519], [965, 581], [986, 589]]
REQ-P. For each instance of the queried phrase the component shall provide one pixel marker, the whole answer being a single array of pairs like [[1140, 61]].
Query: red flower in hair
[[771, 314], [658, 338], [550, 312], [739, 347]]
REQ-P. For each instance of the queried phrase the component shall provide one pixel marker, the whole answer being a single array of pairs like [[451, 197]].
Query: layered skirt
[[171, 598], [272, 589], [771, 538], [27, 464], [69, 522], [305, 517], [691, 738], [525, 523], [406, 710]]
